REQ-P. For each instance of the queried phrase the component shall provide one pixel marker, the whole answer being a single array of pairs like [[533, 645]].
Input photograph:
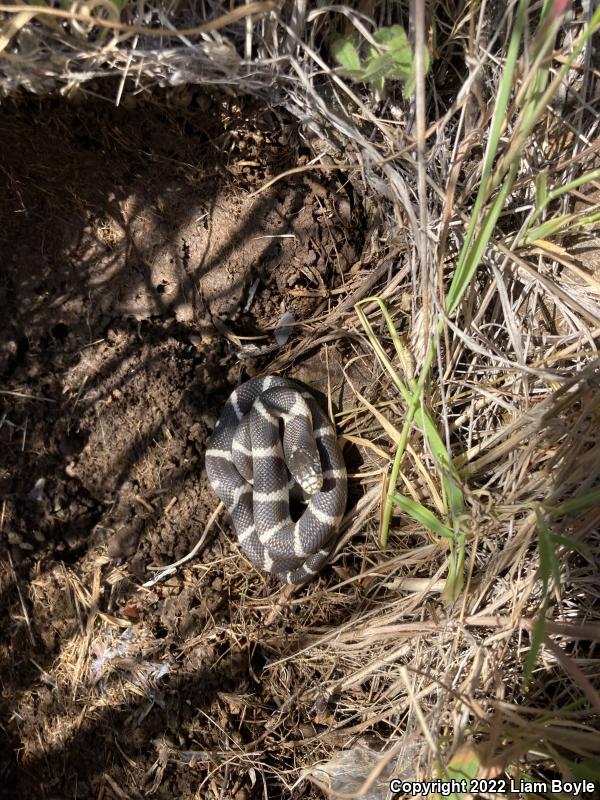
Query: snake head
[[305, 470]]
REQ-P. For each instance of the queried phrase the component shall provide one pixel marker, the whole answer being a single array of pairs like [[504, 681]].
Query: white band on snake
[[255, 469]]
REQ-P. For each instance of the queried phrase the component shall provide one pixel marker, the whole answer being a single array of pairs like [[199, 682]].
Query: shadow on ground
[[125, 236]]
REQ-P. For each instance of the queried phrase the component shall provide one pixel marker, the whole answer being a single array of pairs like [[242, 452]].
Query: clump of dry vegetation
[[455, 634]]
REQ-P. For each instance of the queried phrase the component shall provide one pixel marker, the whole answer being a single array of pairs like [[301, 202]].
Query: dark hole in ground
[[60, 331]]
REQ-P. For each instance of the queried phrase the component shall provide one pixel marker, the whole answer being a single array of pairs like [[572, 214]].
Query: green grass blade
[[549, 565], [377, 347], [423, 516], [548, 228], [467, 263], [456, 574], [576, 504], [449, 475], [594, 175]]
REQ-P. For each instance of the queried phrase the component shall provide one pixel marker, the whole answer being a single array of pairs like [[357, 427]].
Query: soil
[[134, 254]]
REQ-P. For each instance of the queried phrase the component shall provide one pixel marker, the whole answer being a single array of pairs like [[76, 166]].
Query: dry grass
[[507, 674]]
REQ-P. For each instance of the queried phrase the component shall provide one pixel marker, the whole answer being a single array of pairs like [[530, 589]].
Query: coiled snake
[[255, 470]]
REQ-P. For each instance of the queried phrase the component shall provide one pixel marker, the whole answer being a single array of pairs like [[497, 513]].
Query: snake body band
[[273, 443]]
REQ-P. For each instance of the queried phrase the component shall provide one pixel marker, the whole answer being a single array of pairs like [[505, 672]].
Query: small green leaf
[[396, 41], [397, 59], [345, 53], [401, 65], [379, 65], [393, 36], [392, 60]]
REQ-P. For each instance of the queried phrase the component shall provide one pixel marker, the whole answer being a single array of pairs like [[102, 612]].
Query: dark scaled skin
[[253, 469]]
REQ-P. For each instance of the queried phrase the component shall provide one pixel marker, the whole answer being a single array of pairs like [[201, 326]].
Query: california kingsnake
[[255, 470]]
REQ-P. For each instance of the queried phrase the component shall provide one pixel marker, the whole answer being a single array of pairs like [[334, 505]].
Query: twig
[[259, 8], [21, 600], [172, 568]]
